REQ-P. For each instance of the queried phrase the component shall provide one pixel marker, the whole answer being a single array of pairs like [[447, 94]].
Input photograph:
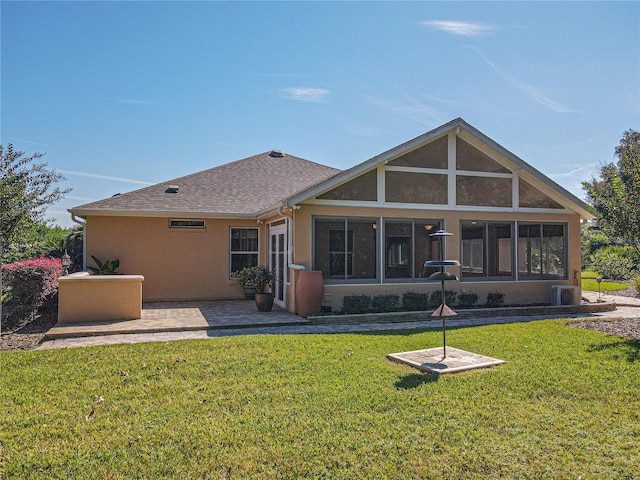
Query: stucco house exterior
[[367, 229]]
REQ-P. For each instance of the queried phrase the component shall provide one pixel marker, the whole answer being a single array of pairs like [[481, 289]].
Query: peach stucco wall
[[522, 292], [89, 298], [177, 264]]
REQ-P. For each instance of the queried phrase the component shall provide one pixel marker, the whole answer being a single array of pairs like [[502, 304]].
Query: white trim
[[473, 173], [432, 171], [451, 170]]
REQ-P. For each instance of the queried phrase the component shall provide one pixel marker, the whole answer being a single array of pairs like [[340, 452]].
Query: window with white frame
[[243, 248]]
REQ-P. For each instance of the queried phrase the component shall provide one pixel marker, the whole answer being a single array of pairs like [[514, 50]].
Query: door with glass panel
[[278, 261]]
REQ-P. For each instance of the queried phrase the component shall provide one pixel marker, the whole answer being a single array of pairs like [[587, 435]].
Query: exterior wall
[[520, 292], [177, 264], [83, 297]]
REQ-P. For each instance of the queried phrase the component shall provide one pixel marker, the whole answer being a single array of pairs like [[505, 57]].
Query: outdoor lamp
[[66, 261]]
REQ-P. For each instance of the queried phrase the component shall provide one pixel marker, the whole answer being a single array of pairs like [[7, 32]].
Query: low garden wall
[[88, 298]]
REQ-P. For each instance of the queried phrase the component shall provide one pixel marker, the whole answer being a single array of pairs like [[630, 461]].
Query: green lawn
[[566, 405], [590, 284]]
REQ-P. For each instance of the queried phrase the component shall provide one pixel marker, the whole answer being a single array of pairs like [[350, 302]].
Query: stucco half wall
[[177, 263]]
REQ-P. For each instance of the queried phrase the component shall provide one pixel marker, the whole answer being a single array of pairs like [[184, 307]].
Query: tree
[[26, 189], [615, 197]]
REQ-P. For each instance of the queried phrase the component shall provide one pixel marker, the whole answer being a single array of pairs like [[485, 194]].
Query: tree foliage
[[27, 187], [615, 197]]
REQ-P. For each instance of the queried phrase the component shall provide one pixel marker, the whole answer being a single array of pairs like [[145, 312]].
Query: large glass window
[[542, 251], [431, 155], [345, 248], [243, 248], [531, 197], [405, 187], [471, 159], [362, 188], [486, 250], [407, 245], [483, 191]]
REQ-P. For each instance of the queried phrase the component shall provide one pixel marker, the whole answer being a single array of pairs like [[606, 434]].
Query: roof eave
[[157, 214]]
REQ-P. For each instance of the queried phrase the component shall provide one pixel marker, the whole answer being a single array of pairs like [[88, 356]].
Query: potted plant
[[264, 296], [246, 278]]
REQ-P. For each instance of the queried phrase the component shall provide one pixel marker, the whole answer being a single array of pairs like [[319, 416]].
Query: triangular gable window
[[471, 159], [531, 197], [431, 155], [363, 188]]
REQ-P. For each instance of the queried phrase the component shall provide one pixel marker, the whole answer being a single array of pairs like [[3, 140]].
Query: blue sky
[[120, 95]]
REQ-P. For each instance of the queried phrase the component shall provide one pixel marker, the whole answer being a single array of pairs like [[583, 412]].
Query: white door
[[278, 261]]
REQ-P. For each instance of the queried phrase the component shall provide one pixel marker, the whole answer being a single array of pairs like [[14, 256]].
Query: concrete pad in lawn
[[432, 360]]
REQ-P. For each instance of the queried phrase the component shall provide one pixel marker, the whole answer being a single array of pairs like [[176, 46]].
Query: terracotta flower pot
[[264, 302], [309, 292]]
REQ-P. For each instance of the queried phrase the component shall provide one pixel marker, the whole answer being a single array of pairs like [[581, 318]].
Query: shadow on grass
[[414, 380], [628, 348]]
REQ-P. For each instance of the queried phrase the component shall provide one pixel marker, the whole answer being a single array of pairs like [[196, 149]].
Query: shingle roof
[[242, 188]]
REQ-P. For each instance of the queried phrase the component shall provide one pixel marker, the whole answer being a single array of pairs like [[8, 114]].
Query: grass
[[590, 284], [326, 406]]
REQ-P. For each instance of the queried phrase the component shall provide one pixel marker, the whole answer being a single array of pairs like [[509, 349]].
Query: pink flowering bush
[[28, 285]]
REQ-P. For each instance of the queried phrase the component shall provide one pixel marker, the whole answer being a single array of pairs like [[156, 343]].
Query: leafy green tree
[[615, 197], [27, 187]]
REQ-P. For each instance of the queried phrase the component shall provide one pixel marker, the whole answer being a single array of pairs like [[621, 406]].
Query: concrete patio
[[166, 321], [183, 316]]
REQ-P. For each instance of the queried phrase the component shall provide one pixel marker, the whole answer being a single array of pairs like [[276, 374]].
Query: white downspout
[[289, 217], [84, 239]]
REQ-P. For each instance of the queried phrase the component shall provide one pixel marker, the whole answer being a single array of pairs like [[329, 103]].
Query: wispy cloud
[[532, 92], [577, 171], [81, 199], [306, 94], [465, 29], [103, 177], [22, 140], [408, 108]]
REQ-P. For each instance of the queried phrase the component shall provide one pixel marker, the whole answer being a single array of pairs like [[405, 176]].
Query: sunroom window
[[345, 248], [486, 250], [363, 188], [407, 245], [542, 251]]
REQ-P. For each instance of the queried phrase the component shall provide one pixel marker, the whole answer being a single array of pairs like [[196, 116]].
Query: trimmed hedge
[[28, 285]]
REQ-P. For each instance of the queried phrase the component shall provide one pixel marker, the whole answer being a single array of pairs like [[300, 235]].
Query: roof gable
[[473, 162]]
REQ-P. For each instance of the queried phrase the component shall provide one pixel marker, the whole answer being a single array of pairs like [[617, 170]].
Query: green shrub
[[495, 299], [636, 284], [467, 299], [436, 298], [108, 267], [611, 265], [357, 304], [415, 302], [385, 303]]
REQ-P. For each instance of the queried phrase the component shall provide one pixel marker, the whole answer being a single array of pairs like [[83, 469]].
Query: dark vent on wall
[[276, 153], [172, 189]]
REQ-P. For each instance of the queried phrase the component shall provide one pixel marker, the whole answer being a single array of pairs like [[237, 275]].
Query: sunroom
[[514, 230]]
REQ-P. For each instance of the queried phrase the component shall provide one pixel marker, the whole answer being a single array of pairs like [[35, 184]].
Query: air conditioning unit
[[565, 295]]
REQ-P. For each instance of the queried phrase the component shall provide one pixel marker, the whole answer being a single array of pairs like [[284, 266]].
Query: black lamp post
[[442, 276], [66, 261]]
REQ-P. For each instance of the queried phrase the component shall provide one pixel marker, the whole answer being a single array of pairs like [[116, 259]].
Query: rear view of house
[[367, 228]]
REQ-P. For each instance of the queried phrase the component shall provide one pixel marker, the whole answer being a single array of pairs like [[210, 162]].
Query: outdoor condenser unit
[[565, 295]]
